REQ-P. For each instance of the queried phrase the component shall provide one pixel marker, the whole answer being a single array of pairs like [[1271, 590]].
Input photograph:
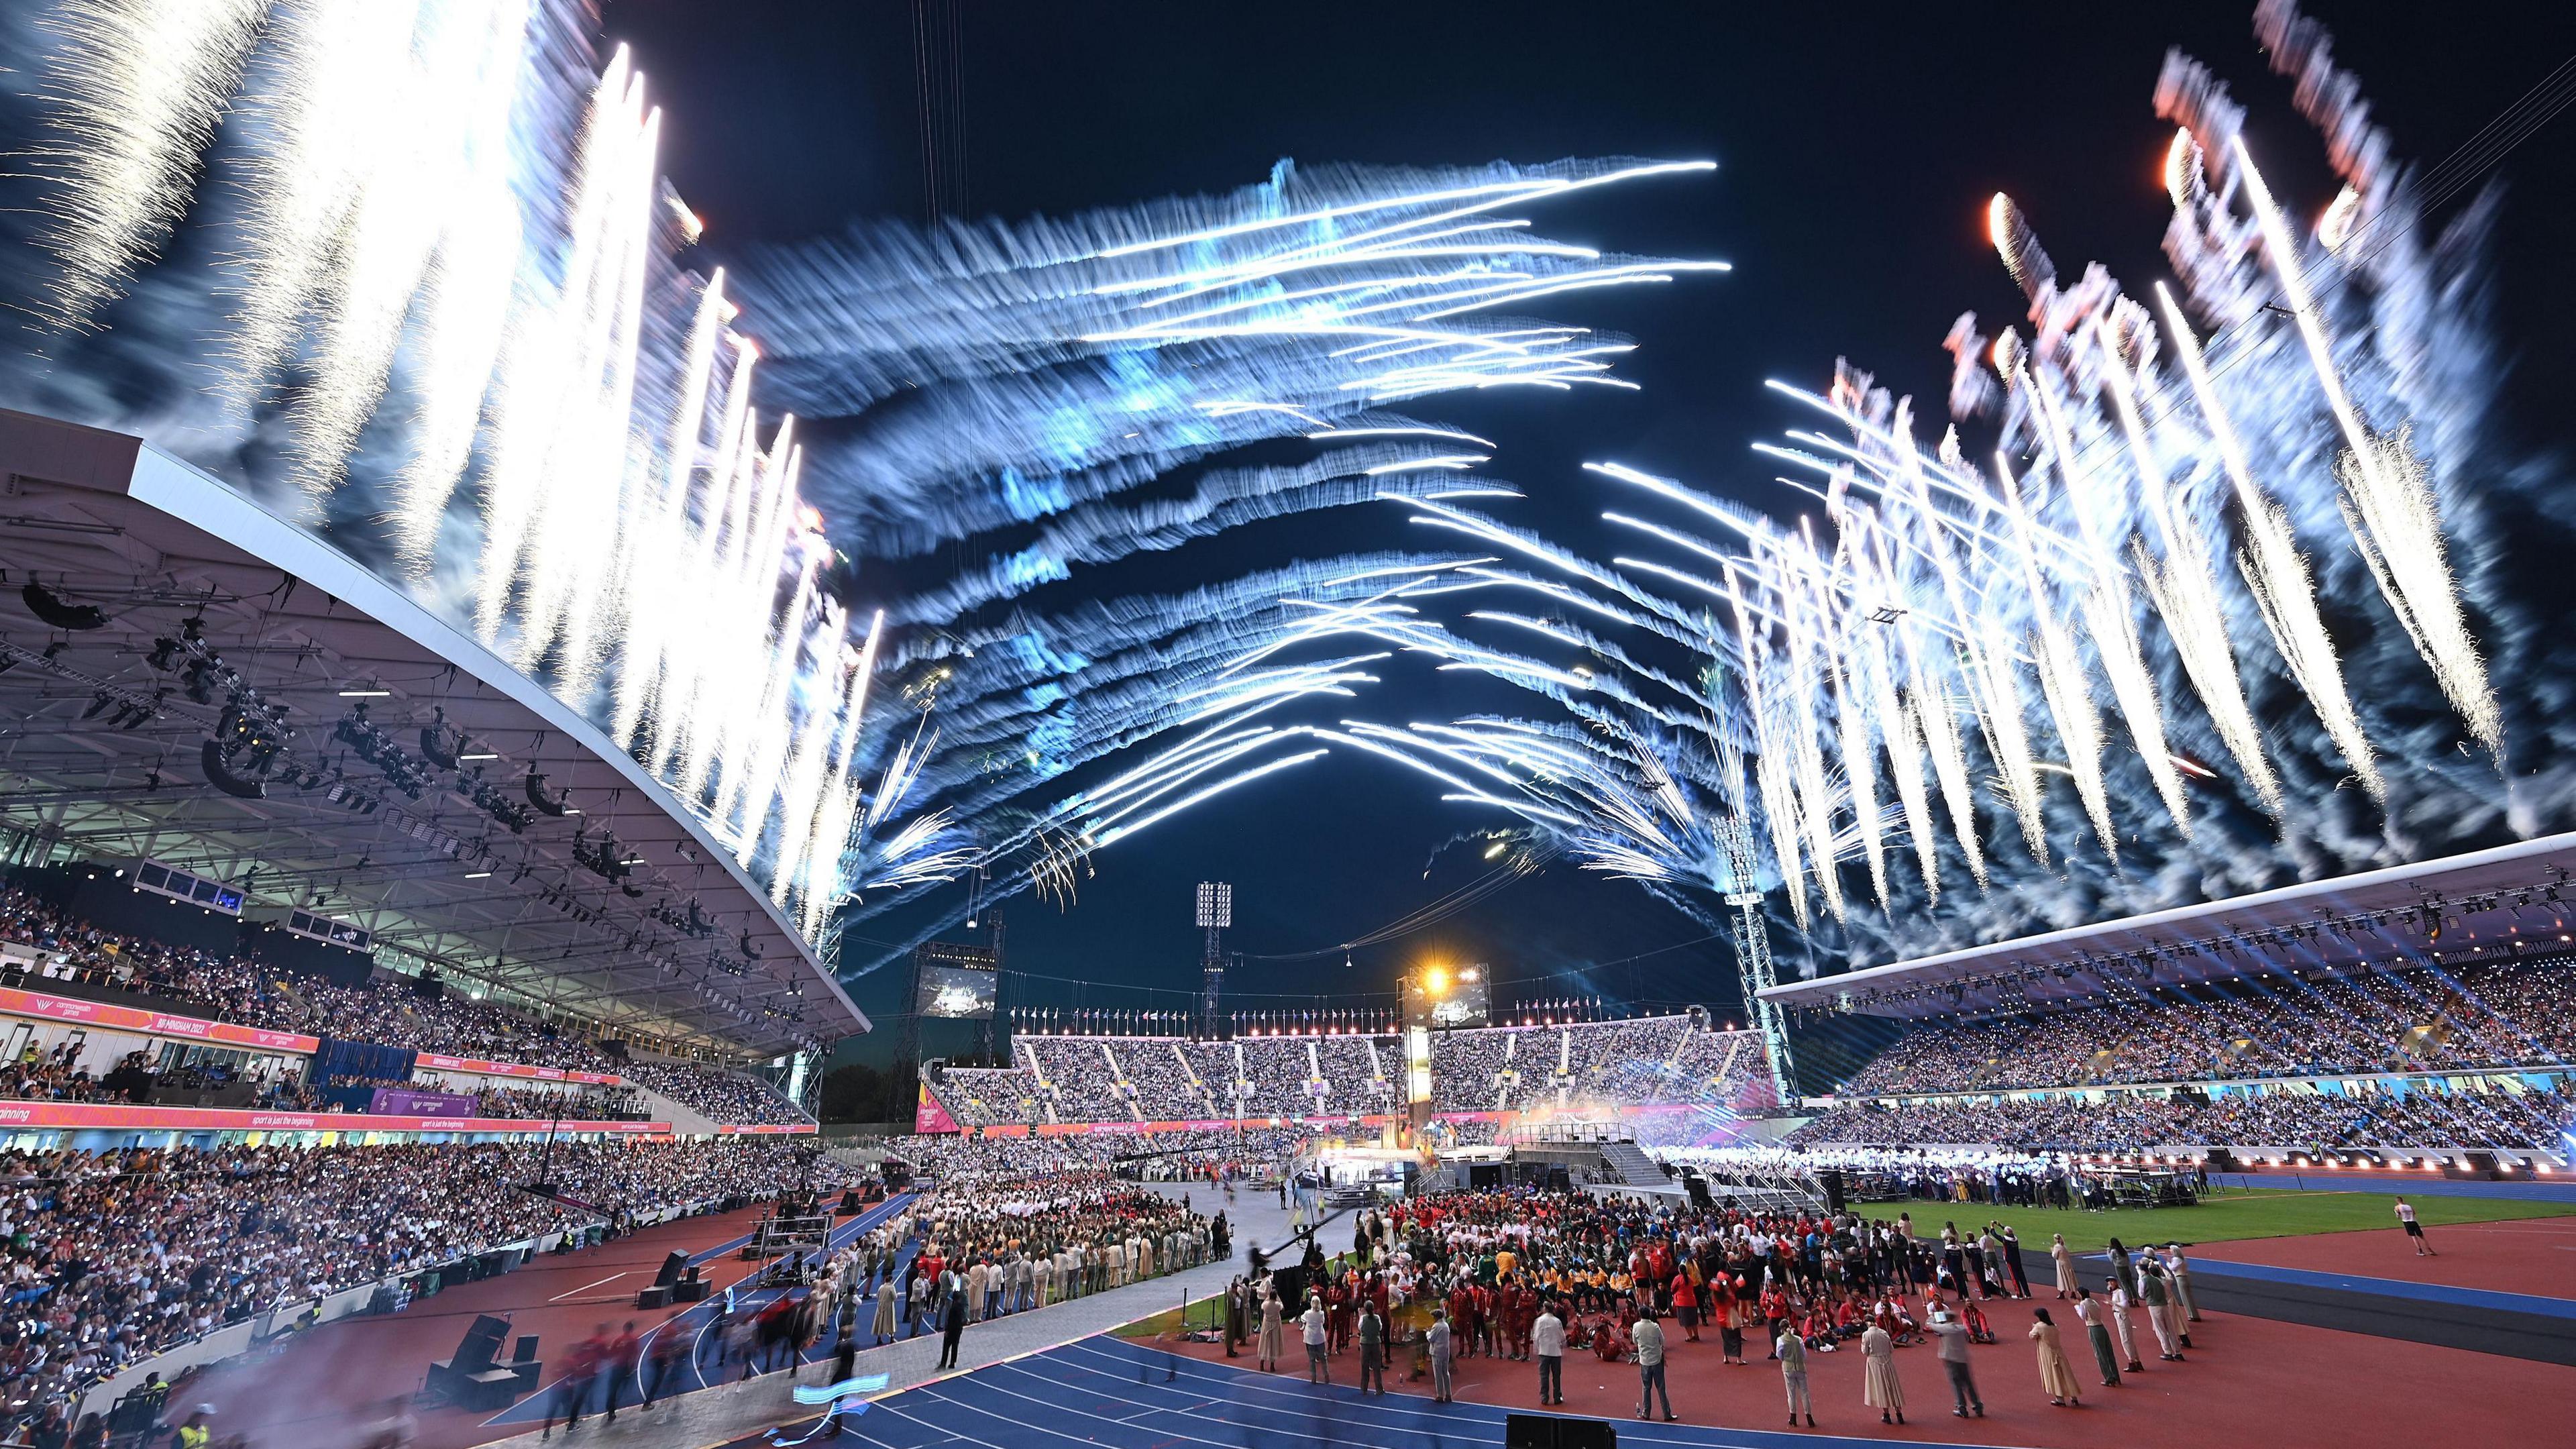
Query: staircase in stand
[[1632, 1164]]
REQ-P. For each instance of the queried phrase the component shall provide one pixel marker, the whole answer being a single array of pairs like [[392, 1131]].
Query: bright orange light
[[1436, 980]]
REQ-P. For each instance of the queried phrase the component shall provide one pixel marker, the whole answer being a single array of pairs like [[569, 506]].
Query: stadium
[[524, 715]]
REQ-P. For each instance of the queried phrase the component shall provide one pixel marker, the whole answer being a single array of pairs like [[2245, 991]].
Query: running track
[[1108, 1393]]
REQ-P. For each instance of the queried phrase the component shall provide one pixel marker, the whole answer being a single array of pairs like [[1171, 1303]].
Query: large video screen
[[1449, 996], [955, 991]]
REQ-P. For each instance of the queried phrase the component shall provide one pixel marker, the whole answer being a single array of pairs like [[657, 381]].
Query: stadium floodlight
[[1216, 905]]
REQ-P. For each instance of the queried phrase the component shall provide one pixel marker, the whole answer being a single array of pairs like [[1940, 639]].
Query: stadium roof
[[611, 900], [2486, 905]]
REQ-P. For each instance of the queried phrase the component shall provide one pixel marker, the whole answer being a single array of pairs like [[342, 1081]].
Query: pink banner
[[122, 1116], [729, 1129], [14, 1002], [927, 1115], [432, 1061]]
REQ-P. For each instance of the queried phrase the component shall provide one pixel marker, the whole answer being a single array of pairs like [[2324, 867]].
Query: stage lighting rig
[[557, 805], [442, 745], [377, 748]]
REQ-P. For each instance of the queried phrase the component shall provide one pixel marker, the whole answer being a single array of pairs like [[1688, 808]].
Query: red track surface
[[318, 1392], [2519, 1255], [2250, 1381]]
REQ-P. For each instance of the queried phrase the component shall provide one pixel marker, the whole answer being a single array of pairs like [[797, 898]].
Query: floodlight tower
[[1216, 913], [1753, 969]]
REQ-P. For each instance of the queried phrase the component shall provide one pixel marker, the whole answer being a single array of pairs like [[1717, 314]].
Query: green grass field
[[2221, 1217]]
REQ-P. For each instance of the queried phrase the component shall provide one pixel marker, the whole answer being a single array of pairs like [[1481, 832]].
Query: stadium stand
[[2505, 1015], [59, 952], [1604, 1066]]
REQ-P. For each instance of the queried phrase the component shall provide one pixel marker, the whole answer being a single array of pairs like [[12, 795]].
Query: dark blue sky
[[1857, 144]]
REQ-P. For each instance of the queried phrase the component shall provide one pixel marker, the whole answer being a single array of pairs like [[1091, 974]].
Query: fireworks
[[452, 298]]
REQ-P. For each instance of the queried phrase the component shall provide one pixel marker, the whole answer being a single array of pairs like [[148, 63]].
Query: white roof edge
[[203, 501]]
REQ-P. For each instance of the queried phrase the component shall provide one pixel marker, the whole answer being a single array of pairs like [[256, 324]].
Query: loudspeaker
[[672, 1267], [526, 1350], [1697, 1187], [1832, 1178], [1548, 1431], [690, 1290], [482, 1344], [657, 1296]]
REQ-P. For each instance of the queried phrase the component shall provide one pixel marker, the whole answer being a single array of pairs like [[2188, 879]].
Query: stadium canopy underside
[[611, 901], [2488, 905]]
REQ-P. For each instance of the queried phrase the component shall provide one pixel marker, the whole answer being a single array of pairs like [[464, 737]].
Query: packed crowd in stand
[[598, 1104], [721, 1096], [240, 990], [2505, 1014], [1225, 1154], [115, 1256], [2125, 1122], [1603, 1064], [1536, 1276]]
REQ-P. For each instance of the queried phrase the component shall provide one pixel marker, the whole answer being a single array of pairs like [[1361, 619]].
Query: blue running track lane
[[1108, 1393], [2214, 1269], [2402, 1184], [696, 1319]]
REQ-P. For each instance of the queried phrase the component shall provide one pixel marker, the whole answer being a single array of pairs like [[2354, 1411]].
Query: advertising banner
[[928, 1116], [118, 1116], [762, 1129], [14, 1002], [432, 1061], [404, 1102]]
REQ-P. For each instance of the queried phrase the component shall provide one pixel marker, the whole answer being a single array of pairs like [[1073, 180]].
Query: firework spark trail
[[651, 610], [1985, 660], [1896, 723], [1771, 781], [1855, 735], [436, 152], [2186, 596], [594, 475], [541, 380], [1150, 337], [2107, 619], [1806, 755], [2395, 519], [331, 113], [2276, 570], [699, 652], [2062, 680], [140, 86], [836, 813], [1224, 498]]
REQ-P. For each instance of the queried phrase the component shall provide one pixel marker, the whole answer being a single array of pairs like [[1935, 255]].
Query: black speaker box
[[482, 1344], [672, 1267], [690, 1290], [658, 1296], [1549, 1431]]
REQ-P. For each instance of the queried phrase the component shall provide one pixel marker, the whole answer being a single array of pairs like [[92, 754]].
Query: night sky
[[1856, 144]]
